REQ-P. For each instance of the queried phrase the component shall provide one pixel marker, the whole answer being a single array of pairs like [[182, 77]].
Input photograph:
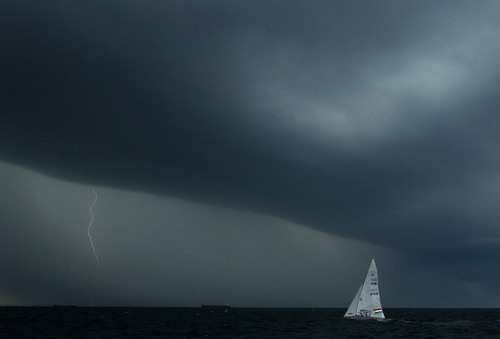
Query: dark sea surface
[[104, 322]]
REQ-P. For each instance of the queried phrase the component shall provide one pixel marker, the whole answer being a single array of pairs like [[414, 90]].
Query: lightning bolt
[[90, 226]]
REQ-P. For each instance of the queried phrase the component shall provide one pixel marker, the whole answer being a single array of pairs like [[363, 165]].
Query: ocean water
[[104, 322]]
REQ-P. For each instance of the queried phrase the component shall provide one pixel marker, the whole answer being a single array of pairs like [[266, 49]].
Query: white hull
[[357, 317]]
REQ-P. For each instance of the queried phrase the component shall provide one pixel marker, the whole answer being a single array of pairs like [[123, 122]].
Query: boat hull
[[357, 317]]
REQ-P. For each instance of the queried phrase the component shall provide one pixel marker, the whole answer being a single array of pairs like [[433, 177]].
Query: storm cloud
[[373, 124]]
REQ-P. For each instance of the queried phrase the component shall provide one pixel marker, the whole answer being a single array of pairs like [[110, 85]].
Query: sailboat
[[366, 303]]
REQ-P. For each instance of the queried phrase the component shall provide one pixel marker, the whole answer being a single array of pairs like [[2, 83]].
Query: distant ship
[[216, 307], [366, 303], [64, 306]]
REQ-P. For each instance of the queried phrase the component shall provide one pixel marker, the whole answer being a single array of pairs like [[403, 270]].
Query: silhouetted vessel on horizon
[[64, 306], [216, 307]]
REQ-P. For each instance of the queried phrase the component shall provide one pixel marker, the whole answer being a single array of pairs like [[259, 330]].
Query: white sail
[[353, 307], [366, 304]]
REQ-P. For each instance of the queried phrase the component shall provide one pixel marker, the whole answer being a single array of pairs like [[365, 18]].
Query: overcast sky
[[259, 153]]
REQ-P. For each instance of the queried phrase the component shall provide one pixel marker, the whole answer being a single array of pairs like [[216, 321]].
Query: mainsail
[[366, 303]]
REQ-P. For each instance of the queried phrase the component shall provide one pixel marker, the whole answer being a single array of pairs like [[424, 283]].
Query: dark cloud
[[370, 121]]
